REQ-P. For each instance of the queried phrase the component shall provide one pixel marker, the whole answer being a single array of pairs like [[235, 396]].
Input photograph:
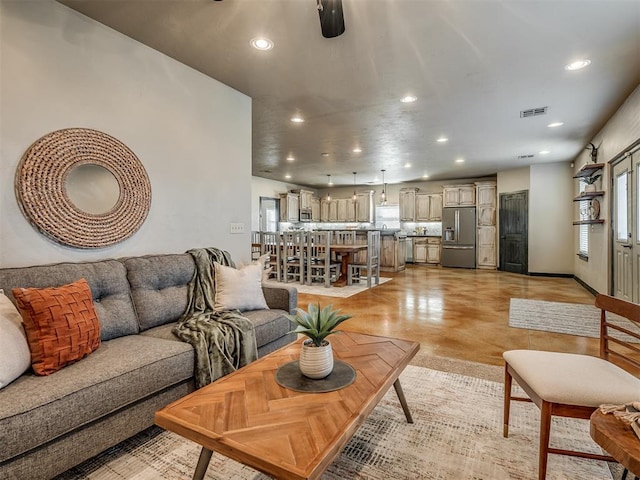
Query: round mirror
[[92, 188]]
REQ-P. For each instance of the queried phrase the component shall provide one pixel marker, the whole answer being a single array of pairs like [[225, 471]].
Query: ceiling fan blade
[[331, 17]]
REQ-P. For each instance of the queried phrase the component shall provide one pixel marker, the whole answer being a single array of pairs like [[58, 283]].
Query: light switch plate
[[237, 228]]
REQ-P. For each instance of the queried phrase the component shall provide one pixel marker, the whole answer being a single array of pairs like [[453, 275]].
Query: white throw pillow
[[15, 356], [239, 289]]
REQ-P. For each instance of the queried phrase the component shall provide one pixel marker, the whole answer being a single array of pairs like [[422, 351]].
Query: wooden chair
[[372, 264], [344, 237], [571, 385], [293, 256], [318, 255], [256, 245], [270, 243]]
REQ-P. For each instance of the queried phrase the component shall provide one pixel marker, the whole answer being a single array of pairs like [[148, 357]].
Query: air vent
[[533, 112], [522, 157]]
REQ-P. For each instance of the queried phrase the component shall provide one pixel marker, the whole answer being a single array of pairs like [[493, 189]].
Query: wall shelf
[[589, 222], [588, 170], [588, 196]]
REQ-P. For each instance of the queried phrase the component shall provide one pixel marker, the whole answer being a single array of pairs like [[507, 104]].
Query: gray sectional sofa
[[49, 424]]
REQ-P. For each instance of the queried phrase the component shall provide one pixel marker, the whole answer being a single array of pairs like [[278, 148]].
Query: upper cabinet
[[408, 204], [306, 199], [364, 206], [459, 195], [428, 207], [289, 207], [315, 209], [486, 245]]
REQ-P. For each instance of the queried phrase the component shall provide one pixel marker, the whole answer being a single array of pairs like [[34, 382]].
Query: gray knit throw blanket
[[223, 341]]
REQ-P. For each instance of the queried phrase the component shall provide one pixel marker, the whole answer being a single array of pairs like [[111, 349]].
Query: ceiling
[[473, 65]]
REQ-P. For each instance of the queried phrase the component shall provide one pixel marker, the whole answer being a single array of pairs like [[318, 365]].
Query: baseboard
[[543, 274], [586, 286]]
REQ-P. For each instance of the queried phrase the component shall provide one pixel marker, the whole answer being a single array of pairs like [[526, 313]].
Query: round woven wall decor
[[42, 195]]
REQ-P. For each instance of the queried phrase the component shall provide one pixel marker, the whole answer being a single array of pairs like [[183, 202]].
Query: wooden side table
[[617, 439]]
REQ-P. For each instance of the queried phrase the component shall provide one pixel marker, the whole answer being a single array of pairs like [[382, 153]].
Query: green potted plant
[[591, 182], [316, 355]]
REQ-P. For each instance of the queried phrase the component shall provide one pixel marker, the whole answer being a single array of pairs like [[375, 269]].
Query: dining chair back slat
[[270, 244]]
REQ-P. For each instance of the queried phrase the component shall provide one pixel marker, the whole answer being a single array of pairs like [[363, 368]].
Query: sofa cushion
[[15, 357], [159, 287], [61, 324], [34, 410], [239, 289], [269, 325], [107, 280]]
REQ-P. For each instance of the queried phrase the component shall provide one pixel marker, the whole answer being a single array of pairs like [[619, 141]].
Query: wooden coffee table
[[617, 439], [248, 417]]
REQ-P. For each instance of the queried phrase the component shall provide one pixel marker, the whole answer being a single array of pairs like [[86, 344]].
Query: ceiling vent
[[522, 157], [533, 112]]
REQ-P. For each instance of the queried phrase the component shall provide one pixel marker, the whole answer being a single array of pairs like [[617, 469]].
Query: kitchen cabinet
[[306, 197], [346, 210], [364, 206], [459, 195], [420, 250], [407, 202], [486, 243], [433, 250], [289, 207], [428, 207], [315, 209], [401, 254], [393, 252], [328, 210], [486, 247]]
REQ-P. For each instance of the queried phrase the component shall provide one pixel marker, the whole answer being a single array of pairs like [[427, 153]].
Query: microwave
[[305, 215]]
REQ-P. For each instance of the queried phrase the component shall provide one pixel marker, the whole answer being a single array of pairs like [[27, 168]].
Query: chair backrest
[[318, 245], [293, 243], [623, 346], [373, 247], [344, 237], [270, 243]]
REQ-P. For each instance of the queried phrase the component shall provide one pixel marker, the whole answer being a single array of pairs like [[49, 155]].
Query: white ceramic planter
[[316, 362]]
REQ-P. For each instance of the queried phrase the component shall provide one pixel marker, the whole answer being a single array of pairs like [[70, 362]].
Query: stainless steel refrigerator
[[459, 237]]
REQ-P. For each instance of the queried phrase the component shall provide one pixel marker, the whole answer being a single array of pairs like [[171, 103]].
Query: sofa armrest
[[280, 296]]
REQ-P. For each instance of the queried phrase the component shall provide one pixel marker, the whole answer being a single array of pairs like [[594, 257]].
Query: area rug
[[457, 435], [569, 318], [342, 292]]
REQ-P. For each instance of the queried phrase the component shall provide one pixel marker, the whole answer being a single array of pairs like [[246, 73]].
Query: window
[[583, 249]]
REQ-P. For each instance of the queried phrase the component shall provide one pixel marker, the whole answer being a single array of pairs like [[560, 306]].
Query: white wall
[[264, 187], [622, 129], [550, 218], [60, 69]]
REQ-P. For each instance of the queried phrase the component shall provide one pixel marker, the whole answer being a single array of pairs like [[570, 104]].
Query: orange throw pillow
[[61, 324]]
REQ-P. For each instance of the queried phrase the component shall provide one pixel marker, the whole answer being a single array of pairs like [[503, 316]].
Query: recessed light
[[297, 119], [407, 165], [287, 176], [357, 150], [442, 140], [578, 64], [408, 99], [460, 160], [290, 158], [324, 154], [425, 176], [545, 152], [261, 43], [555, 124]]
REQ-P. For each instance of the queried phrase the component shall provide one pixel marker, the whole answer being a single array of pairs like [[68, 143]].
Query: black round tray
[[289, 376]]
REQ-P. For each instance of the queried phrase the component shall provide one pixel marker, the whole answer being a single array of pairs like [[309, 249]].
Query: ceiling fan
[[331, 17]]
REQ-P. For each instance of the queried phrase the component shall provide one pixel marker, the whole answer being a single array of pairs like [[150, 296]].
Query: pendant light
[[383, 195], [329, 183], [355, 196]]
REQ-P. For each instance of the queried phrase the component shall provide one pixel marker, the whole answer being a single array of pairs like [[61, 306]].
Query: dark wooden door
[[514, 232]]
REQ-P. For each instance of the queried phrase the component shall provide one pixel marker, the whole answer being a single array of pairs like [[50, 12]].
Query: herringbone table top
[[248, 417]]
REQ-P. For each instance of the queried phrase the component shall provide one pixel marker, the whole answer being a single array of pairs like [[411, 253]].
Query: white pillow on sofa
[[239, 289], [15, 356]]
